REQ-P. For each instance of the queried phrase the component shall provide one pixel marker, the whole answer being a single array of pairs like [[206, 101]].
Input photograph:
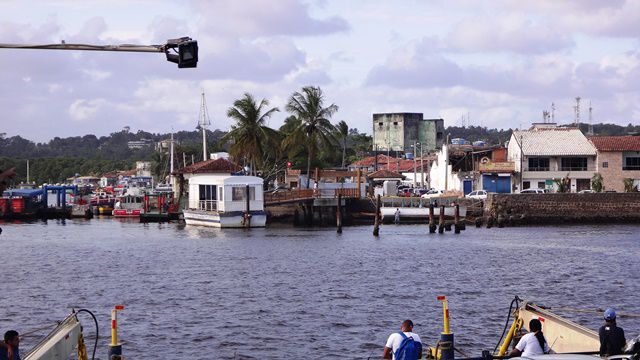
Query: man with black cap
[[612, 339]]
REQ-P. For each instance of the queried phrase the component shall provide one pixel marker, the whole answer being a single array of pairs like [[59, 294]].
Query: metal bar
[[124, 47]]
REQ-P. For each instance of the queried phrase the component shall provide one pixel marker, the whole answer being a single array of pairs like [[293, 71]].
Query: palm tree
[[252, 138], [342, 130], [314, 125]]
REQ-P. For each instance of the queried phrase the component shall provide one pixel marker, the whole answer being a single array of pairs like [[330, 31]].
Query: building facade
[[400, 131], [546, 153], [618, 159]]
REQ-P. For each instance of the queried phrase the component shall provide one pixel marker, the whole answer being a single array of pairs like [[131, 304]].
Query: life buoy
[[484, 160]]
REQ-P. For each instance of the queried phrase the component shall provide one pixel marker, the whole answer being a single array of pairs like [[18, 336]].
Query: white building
[[545, 153]]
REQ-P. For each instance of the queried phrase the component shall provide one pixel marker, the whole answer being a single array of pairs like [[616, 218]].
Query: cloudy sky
[[496, 63]]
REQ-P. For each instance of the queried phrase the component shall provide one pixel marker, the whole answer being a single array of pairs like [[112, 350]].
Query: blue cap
[[609, 314]]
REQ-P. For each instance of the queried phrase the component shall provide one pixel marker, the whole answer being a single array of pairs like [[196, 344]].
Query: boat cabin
[[225, 193]]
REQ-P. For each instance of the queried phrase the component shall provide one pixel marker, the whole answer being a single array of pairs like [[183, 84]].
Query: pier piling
[[376, 220], [441, 220], [456, 224], [339, 214], [432, 224]]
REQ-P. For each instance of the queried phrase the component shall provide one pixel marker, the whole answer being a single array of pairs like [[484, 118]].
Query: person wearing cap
[[612, 339]]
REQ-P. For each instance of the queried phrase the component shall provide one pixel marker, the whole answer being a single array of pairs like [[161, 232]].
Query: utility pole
[[421, 168], [414, 164]]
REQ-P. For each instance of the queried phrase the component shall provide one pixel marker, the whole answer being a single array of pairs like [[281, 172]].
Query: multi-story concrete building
[[400, 131], [546, 153], [618, 159]]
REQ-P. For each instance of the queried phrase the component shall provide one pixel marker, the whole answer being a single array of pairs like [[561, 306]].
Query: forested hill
[[112, 147]]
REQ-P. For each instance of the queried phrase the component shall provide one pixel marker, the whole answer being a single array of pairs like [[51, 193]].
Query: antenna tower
[[577, 108], [590, 131], [553, 112]]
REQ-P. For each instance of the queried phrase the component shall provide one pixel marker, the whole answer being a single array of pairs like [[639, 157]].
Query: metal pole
[[63, 46], [521, 164], [414, 164], [421, 169]]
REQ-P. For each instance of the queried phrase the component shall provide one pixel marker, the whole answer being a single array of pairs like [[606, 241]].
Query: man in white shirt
[[395, 339]]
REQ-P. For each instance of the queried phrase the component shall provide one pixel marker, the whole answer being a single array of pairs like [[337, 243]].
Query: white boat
[[220, 200], [419, 213]]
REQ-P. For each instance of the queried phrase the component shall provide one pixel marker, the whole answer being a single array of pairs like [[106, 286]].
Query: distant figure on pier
[[10, 347], [612, 339], [396, 219], [404, 344], [532, 343]]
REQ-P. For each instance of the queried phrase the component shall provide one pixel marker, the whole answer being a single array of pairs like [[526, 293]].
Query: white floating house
[[219, 199]]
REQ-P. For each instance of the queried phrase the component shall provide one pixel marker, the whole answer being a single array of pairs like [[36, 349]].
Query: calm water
[[194, 293]]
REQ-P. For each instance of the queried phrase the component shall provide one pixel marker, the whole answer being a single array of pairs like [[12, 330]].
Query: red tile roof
[[616, 143], [385, 174], [391, 163], [216, 166]]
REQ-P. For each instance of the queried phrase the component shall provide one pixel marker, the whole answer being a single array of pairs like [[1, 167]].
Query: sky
[[497, 63]]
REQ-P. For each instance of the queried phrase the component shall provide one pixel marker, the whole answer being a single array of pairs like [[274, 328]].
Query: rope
[[27, 334], [592, 311]]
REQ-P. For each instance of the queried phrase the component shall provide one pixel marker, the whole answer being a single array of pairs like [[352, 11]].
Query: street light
[[185, 50]]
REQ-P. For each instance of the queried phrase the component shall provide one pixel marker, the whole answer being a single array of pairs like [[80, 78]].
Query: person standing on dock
[[396, 219], [404, 344], [612, 339], [532, 343], [9, 348]]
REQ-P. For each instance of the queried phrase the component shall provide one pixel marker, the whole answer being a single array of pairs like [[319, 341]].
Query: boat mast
[[171, 163], [203, 122]]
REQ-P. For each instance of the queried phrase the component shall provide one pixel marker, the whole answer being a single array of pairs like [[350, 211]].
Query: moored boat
[[225, 201]]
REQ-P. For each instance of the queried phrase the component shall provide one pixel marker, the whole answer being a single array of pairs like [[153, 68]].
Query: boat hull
[[224, 219], [126, 213]]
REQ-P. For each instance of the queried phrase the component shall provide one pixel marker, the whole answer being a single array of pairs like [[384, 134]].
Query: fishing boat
[[225, 201], [130, 204]]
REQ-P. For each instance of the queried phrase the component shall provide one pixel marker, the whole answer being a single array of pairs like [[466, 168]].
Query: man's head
[[610, 315], [407, 325], [12, 338]]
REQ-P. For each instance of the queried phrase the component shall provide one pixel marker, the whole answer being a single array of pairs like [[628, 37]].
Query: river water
[[283, 292]]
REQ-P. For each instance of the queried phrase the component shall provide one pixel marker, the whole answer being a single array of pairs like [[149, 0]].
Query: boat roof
[[212, 179], [22, 192]]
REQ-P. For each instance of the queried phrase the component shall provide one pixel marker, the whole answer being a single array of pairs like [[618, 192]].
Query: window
[[380, 124], [605, 164], [573, 164], [540, 184], [538, 164], [238, 193], [207, 192], [631, 163], [395, 123], [526, 185]]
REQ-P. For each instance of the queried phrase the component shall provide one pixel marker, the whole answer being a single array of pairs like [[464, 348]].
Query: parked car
[[609, 191], [478, 195], [534, 191], [420, 192], [586, 191], [432, 193]]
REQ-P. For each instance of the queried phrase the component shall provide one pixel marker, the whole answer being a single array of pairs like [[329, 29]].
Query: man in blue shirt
[[9, 348], [612, 339]]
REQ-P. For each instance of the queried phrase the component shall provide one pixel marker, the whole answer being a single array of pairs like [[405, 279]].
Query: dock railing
[[308, 194]]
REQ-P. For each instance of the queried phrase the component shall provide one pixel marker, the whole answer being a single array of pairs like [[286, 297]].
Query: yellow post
[[445, 314], [517, 324], [115, 349]]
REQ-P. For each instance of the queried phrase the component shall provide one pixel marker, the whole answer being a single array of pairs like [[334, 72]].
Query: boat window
[[207, 192], [238, 193]]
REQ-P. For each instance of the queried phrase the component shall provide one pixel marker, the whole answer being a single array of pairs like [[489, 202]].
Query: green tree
[[315, 126], [597, 182], [252, 138], [342, 131], [564, 184], [628, 185]]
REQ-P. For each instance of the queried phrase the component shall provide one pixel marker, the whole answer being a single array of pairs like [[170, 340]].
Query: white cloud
[[83, 109]]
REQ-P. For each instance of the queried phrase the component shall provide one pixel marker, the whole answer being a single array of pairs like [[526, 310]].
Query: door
[[503, 184], [583, 184], [489, 183], [467, 186]]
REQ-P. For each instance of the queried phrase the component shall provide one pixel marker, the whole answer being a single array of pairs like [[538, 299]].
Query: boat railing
[[208, 205]]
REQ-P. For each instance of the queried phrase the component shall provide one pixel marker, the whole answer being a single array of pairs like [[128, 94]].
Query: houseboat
[[225, 201]]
